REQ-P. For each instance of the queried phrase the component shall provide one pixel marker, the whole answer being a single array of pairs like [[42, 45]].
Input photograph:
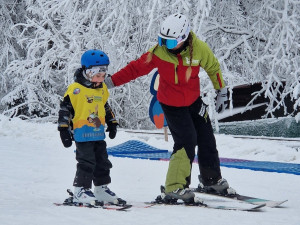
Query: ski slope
[[36, 170]]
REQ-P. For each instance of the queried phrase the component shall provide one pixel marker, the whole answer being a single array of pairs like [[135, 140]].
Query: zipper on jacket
[[180, 64], [179, 57], [176, 76]]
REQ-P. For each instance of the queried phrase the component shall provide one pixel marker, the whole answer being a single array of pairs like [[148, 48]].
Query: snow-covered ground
[[36, 170]]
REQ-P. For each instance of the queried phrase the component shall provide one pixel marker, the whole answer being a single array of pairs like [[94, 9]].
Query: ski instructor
[[178, 56]]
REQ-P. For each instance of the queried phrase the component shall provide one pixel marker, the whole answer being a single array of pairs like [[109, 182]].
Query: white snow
[[237, 110], [36, 170]]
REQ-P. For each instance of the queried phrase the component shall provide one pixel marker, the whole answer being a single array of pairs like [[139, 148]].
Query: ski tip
[[125, 207], [117, 207], [258, 207], [275, 204]]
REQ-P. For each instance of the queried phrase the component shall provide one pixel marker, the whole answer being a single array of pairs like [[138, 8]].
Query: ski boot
[[84, 196], [171, 197], [104, 194], [221, 187]]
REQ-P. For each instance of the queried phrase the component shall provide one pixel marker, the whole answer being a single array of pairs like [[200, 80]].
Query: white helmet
[[175, 26]]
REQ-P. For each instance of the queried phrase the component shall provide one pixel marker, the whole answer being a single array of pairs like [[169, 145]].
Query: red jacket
[[173, 89]]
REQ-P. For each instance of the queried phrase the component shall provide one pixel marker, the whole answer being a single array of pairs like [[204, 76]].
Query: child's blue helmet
[[94, 57]]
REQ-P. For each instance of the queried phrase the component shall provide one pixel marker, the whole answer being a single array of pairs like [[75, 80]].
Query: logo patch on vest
[[76, 91], [89, 99], [97, 98]]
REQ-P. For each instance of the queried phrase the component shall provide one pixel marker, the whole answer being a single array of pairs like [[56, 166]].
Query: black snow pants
[[92, 164], [191, 126]]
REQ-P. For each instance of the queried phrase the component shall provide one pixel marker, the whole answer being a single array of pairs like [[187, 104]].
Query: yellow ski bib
[[88, 105]]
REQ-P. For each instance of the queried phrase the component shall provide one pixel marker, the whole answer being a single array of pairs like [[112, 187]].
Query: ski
[[107, 207], [210, 204], [243, 198], [248, 208], [95, 204]]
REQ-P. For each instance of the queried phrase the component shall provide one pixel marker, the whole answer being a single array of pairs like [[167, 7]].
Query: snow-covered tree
[[55, 35], [258, 41], [11, 12], [255, 41]]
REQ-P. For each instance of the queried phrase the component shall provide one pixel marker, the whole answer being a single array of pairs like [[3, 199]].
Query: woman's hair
[[150, 55], [188, 72], [189, 69]]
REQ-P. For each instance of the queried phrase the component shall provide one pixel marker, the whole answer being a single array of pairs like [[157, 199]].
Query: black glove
[[66, 137], [222, 100], [112, 129]]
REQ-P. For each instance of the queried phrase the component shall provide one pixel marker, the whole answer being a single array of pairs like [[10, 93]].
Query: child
[[84, 110]]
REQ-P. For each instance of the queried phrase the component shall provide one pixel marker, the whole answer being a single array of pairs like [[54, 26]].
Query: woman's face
[[178, 46]]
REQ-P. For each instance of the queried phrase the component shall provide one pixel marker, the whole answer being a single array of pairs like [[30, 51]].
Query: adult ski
[[199, 202], [243, 198], [248, 208]]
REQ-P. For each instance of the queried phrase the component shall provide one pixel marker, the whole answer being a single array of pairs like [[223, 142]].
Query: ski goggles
[[169, 43], [90, 72], [96, 69]]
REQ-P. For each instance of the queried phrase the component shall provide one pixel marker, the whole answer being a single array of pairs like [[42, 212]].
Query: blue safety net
[[139, 150]]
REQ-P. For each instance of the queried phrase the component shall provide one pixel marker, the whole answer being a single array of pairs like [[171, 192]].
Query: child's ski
[[95, 204]]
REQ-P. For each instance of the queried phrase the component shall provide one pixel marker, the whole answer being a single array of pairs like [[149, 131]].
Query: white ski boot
[[104, 194], [83, 195]]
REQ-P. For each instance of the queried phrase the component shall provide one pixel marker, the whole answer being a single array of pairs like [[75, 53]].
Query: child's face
[[99, 78]]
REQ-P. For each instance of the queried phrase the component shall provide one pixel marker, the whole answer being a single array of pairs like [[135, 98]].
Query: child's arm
[[110, 121], [65, 114]]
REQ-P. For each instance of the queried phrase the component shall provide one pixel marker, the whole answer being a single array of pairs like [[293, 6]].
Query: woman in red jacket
[[178, 57]]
